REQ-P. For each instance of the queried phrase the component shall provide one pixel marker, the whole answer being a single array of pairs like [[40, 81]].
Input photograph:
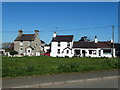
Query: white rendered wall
[[55, 47], [93, 55]]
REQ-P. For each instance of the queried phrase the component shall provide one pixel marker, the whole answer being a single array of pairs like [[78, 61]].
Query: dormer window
[[58, 44], [68, 44]]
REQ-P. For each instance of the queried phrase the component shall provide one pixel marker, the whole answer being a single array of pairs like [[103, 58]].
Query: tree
[[8, 45], [85, 38]]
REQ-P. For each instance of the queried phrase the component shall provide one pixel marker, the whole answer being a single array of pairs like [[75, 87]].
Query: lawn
[[22, 66]]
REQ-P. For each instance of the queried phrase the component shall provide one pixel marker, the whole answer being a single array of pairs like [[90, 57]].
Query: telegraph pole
[[113, 41]]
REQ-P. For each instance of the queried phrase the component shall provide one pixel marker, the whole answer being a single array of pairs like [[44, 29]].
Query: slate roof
[[62, 38], [83, 44], [26, 37]]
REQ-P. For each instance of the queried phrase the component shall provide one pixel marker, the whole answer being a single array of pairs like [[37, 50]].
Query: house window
[[107, 51], [58, 51], [94, 52], [77, 52], [21, 50], [29, 51], [90, 51], [68, 44], [58, 44], [99, 52], [67, 51]]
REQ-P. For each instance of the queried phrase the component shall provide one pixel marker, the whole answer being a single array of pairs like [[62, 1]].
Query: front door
[[29, 52], [83, 53]]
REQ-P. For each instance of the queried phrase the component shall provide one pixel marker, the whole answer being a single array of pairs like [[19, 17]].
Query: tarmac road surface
[[106, 83], [67, 79]]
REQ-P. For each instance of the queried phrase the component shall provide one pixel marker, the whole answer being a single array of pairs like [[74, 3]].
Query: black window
[[28, 50], [107, 51], [90, 51], [67, 51], [68, 44], [58, 51], [58, 44], [21, 48], [77, 52], [99, 52]]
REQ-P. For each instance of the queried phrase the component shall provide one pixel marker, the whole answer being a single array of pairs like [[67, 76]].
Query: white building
[[3, 53], [61, 45], [92, 49]]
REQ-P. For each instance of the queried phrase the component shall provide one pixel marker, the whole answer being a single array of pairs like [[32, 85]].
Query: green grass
[[21, 66]]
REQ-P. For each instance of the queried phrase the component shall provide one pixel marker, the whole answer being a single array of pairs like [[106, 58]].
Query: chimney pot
[[20, 32], [96, 40], [55, 34], [36, 32]]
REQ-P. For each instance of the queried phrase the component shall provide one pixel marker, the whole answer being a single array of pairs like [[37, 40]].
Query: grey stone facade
[[28, 44]]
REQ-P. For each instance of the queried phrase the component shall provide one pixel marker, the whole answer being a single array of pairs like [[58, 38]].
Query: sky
[[66, 18]]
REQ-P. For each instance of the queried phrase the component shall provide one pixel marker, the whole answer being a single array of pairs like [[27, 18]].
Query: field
[[22, 66]]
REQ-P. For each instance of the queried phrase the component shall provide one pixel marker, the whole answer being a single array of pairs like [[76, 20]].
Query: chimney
[[20, 32], [36, 32], [111, 41], [96, 41], [54, 35]]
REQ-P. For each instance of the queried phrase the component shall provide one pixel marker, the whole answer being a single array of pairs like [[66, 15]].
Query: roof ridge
[[28, 34]]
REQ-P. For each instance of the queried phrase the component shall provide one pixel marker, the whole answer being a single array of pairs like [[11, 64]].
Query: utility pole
[[113, 41]]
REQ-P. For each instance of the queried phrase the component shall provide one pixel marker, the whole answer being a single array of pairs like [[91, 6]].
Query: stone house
[[28, 44]]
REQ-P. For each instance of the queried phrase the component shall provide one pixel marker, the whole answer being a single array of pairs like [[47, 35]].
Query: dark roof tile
[[83, 44], [62, 38], [26, 37]]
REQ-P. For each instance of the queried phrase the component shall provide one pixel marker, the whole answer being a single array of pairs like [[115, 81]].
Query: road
[[106, 83], [63, 80]]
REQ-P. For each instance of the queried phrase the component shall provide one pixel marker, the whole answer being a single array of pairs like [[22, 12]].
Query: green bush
[[13, 52], [68, 67], [29, 68]]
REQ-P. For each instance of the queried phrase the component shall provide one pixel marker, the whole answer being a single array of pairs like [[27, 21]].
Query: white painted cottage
[[63, 45], [92, 49]]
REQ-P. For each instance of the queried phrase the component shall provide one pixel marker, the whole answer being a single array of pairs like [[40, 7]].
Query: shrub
[[29, 69], [13, 52], [68, 67]]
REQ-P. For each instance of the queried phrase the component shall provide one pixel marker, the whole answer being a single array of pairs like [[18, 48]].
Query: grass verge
[[22, 66]]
